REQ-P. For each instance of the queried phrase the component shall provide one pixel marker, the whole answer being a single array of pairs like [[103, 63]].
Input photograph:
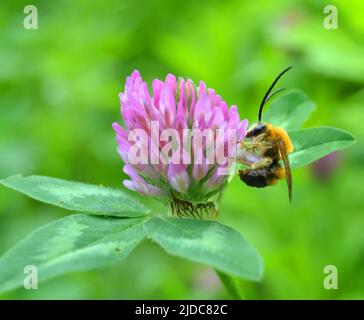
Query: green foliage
[[314, 143], [77, 196], [207, 242], [74, 243], [289, 111], [82, 242]]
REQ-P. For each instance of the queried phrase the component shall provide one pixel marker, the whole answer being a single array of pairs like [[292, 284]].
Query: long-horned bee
[[269, 145]]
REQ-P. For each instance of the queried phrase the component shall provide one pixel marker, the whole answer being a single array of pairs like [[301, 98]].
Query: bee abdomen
[[262, 177], [254, 177]]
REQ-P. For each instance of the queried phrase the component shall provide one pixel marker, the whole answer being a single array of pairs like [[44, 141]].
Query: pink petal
[[178, 177]]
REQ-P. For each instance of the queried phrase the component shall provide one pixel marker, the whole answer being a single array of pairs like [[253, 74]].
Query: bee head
[[256, 130]]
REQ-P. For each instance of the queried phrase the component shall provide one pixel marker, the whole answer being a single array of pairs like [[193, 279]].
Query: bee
[[266, 147]]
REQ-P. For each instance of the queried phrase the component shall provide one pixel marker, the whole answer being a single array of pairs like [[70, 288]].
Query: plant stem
[[231, 285]]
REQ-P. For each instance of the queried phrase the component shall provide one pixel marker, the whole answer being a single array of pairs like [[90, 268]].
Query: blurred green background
[[59, 95]]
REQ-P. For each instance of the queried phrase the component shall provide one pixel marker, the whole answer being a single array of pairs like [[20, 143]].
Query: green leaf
[[315, 143], [82, 242], [207, 242], [231, 285], [77, 196], [289, 111], [74, 243]]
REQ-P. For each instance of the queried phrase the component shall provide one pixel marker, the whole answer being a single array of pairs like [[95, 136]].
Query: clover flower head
[[177, 143]]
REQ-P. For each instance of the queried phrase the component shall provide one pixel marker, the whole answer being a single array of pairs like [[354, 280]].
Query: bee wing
[[285, 159]]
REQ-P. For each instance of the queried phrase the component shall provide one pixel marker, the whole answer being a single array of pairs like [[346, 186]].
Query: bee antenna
[[267, 95], [273, 93]]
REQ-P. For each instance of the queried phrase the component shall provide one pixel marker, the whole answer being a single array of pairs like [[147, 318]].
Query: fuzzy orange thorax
[[280, 133]]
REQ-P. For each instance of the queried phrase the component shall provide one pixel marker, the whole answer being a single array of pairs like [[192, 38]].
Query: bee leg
[[247, 146], [263, 162]]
